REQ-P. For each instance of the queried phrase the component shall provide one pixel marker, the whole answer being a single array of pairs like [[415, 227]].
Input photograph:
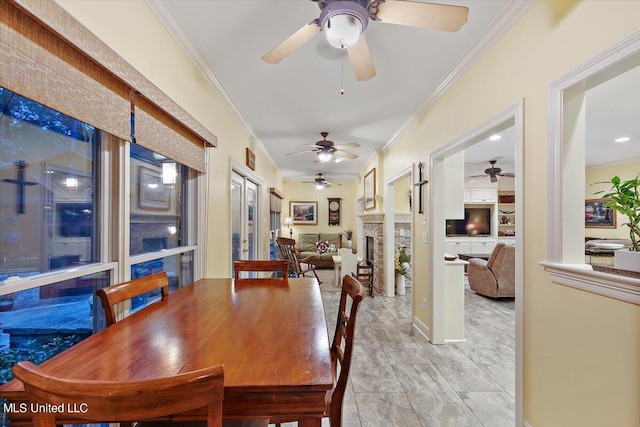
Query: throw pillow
[[332, 247], [322, 246]]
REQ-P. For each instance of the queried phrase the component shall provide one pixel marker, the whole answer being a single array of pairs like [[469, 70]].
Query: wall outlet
[[424, 304], [425, 237], [402, 232]]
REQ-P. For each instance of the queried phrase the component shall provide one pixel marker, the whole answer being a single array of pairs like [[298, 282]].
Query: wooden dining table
[[270, 334]]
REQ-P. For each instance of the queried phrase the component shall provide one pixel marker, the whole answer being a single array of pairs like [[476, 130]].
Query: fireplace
[[369, 250]]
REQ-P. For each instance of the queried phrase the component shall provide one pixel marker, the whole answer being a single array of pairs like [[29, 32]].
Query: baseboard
[[526, 424], [421, 327]]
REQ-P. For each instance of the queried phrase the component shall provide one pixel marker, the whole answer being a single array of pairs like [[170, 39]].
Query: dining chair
[[111, 401], [298, 267], [341, 349], [364, 274], [348, 263], [270, 266], [114, 294], [342, 251]]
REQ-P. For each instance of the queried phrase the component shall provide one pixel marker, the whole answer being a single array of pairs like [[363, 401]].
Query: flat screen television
[[476, 222]]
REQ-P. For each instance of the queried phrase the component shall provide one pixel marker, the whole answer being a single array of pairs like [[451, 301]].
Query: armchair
[[494, 277]]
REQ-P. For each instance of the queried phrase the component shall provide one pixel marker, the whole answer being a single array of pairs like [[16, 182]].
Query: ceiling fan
[[321, 182], [344, 22], [326, 150], [493, 172]]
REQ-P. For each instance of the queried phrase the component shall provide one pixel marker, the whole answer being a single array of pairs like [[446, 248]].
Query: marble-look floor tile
[[371, 371], [386, 410], [493, 409], [461, 373]]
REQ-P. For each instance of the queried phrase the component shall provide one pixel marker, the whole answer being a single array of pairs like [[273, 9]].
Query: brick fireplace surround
[[372, 225]]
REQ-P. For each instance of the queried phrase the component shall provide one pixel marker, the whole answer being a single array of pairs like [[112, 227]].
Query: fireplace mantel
[[372, 218], [399, 217]]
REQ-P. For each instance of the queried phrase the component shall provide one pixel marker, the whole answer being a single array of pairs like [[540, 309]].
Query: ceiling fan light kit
[[343, 22], [325, 155]]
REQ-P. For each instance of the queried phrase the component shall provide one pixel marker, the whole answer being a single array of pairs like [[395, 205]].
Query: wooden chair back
[[271, 266], [348, 263], [289, 252], [114, 294], [364, 274], [107, 401], [342, 346]]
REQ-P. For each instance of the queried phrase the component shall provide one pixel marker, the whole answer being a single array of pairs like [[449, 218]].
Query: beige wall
[[581, 351], [595, 175], [134, 32], [298, 191]]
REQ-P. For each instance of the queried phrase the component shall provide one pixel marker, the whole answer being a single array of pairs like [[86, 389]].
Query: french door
[[245, 217]]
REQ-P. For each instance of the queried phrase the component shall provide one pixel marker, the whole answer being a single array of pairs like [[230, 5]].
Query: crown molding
[[173, 26], [500, 25]]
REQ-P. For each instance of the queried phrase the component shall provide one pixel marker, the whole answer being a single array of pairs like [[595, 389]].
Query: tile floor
[[399, 379]]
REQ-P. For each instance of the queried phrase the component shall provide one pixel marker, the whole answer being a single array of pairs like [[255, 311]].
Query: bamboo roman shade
[[157, 131], [38, 65], [48, 56], [275, 200]]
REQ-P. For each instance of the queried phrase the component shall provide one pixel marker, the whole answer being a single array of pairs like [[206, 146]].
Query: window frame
[[561, 250]]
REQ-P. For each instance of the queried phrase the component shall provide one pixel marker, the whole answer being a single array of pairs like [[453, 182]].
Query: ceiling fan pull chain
[[342, 76]]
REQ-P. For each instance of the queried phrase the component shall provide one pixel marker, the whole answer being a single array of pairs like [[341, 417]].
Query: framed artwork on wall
[[304, 213], [152, 194], [370, 189], [598, 215]]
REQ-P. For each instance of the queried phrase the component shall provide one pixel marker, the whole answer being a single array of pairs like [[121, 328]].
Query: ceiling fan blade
[[295, 40], [435, 16], [332, 183], [479, 176], [300, 152], [361, 61], [346, 145], [345, 154], [508, 174]]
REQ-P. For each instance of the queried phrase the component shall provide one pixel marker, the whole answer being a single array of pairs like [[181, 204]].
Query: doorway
[[438, 177], [245, 216]]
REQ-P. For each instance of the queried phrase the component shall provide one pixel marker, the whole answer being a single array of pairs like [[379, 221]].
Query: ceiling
[[286, 106]]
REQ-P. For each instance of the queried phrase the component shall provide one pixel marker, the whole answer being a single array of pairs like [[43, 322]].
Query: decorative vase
[[626, 260], [349, 244], [400, 285]]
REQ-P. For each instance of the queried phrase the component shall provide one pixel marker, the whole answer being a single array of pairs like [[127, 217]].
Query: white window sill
[[583, 277]]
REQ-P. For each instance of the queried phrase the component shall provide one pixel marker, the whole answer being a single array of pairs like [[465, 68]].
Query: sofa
[[313, 245]]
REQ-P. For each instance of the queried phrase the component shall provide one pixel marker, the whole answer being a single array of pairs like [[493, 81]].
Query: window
[[47, 188], [587, 106]]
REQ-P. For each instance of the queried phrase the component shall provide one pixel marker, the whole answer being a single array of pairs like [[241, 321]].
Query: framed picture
[[370, 189], [597, 215], [153, 194], [304, 213]]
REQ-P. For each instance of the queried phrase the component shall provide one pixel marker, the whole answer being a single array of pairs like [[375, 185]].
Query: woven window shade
[[157, 131], [38, 65], [76, 73]]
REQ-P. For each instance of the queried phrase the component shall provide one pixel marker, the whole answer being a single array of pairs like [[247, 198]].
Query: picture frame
[[597, 215], [370, 189], [152, 193], [304, 213]]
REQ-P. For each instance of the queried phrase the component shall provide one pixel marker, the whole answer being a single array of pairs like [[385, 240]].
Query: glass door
[[245, 219]]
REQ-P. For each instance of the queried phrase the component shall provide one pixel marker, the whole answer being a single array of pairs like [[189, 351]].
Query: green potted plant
[[625, 198]]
